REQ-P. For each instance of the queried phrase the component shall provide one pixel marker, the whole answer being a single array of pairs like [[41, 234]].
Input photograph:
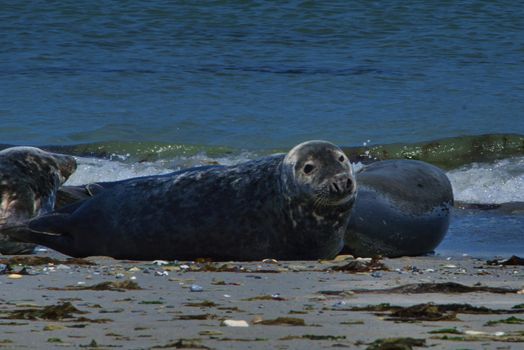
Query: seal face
[[29, 179], [293, 206]]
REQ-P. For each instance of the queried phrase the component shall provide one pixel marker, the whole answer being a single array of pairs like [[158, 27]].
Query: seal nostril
[[349, 184], [336, 188]]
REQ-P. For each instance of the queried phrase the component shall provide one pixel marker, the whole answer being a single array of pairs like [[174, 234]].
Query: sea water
[[138, 88]]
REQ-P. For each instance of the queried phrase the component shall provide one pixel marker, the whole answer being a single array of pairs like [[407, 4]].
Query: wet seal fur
[[403, 208], [29, 180], [292, 206]]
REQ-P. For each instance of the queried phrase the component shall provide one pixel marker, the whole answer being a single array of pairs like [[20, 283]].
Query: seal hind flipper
[[43, 230]]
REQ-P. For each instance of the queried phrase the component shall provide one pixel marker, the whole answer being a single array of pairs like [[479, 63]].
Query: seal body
[[293, 206], [403, 208], [29, 180]]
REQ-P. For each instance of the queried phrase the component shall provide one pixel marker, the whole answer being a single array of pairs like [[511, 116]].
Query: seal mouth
[[338, 191], [326, 198]]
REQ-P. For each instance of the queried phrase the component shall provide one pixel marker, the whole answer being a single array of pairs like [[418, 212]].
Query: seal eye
[[308, 168], [341, 159]]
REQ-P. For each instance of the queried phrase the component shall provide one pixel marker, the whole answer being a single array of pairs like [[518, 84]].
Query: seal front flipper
[[45, 230], [68, 195]]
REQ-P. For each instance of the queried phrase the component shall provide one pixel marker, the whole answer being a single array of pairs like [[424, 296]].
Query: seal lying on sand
[[29, 179], [292, 206], [403, 208]]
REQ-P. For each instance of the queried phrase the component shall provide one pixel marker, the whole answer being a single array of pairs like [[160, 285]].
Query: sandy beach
[[50, 301]]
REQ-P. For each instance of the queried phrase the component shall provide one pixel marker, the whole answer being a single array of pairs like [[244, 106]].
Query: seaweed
[[445, 331], [205, 303], [315, 337], [183, 344], [197, 317], [43, 260], [210, 333], [447, 287], [396, 344], [116, 286], [89, 320], [290, 321], [356, 266], [341, 293], [54, 340], [350, 323], [52, 312], [509, 320], [242, 339], [265, 297], [230, 308], [297, 312], [512, 261], [376, 308], [430, 311], [511, 338], [423, 312], [151, 302], [53, 327]]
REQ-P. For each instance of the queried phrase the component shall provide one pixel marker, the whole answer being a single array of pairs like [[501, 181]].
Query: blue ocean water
[[259, 74], [253, 76]]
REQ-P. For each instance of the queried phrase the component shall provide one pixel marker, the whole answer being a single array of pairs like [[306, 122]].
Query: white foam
[[498, 182], [91, 170]]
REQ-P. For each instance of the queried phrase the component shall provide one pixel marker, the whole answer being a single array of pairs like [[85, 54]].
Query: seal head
[[321, 171], [29, 179]]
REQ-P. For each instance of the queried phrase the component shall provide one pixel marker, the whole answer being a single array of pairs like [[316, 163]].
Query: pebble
[[450, 266], [160, 262], [14, 276], [270, 261], [376, 274], [161, 273], [119, 275], [235, 323], [343, 258], [339, 304], [196, 288]]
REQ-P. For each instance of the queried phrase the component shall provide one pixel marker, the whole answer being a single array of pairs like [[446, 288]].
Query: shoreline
[[291, 305]]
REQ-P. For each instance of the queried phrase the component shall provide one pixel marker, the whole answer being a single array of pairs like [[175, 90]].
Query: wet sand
[[285, 305]]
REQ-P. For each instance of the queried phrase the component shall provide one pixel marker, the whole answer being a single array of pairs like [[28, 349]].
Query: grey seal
[[29, 180], [403, 208], [290, 206]]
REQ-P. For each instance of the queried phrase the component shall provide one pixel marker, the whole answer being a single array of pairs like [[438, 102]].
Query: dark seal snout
[[341, 185]]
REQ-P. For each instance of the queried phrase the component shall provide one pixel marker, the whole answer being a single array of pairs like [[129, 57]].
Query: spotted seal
[[289, 206], [29, 179], [403, 208]]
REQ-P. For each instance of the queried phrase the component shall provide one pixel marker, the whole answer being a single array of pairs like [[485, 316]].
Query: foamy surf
[[104, 170], [498, 182]]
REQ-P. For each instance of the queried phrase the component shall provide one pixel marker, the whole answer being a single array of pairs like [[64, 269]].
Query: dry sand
[[286, 305]]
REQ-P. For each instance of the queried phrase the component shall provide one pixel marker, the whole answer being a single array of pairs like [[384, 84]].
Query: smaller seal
[[29, 180], [403, 208], [293, 206]]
